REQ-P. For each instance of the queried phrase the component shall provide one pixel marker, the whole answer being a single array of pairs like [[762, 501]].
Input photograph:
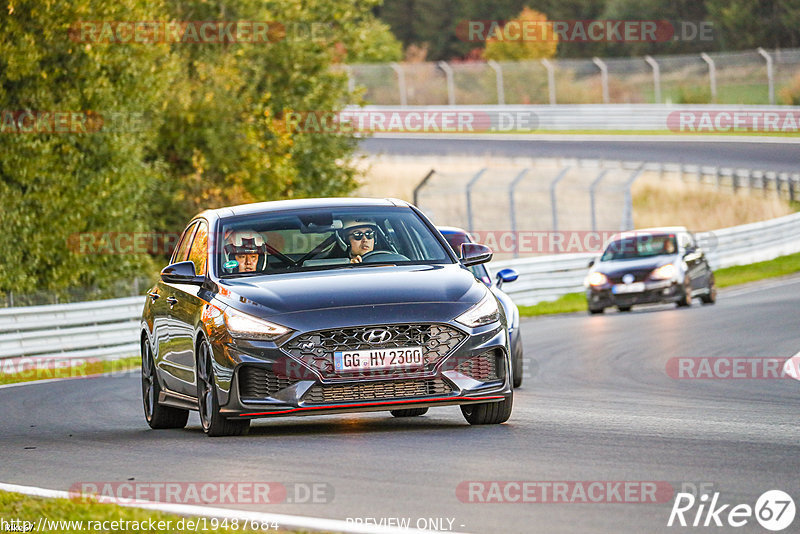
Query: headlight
[[596, 279], [665, 272], [249, 327], [484, 312]]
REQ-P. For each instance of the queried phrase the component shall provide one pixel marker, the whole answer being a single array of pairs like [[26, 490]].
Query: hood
[[621, 267], [280, 294]]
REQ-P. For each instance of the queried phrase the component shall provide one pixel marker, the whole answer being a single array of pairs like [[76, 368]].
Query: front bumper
[[654, 292], [261, 384]]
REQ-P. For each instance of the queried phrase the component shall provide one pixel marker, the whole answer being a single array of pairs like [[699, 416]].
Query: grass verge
[[729, 276], [68, 516], [15, 370]]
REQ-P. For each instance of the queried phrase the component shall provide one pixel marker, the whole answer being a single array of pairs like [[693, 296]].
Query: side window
[[183, 245], [199, 252]]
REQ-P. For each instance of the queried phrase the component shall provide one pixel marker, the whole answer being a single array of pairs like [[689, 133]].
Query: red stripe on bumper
[[330, 407]]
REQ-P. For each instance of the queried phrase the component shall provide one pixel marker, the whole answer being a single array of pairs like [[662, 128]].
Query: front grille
[[482, 367], [320, 394], [639, 275], [316, 348], [259, 382]]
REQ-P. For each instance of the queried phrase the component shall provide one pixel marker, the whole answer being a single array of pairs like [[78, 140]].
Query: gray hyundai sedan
[[324, 306]]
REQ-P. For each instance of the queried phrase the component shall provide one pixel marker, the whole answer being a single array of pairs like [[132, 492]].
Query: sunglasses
[[369, 234]]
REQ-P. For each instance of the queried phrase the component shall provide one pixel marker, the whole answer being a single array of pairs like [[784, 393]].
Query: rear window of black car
[[640, 246], [306, 240]]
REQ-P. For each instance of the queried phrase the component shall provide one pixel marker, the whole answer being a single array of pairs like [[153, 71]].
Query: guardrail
[[515, 119], [100, 329], [549, 277], [108, 329]]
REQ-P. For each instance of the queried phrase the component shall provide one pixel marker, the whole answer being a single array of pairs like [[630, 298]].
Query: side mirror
[[474, 253], [591, 263], [506, 275], [181, 273]]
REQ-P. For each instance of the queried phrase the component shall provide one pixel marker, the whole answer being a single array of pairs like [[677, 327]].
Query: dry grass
[[700, 208]]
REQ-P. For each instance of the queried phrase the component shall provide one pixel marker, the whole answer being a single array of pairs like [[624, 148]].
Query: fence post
[[592, 188], [551, 79], [451, 86], [401, 83], [627, 221], [351, 82], [712, 75], [656, 78], [501, 92], [553, 205], [470, 185], [421, 184], [603, 77], [770, 77], [513, 211]]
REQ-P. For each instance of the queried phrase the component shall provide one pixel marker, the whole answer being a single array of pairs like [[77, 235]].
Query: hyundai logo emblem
[[377, 335], [628, 278]]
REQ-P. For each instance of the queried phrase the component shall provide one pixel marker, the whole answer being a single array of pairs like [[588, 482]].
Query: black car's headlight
[[484, 312], [247, 326]]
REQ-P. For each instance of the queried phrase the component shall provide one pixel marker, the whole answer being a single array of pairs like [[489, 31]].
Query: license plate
[[359, 360], [636, 287]]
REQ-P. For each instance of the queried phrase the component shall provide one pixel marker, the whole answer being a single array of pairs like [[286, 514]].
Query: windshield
[[304, 240], [640, 246]]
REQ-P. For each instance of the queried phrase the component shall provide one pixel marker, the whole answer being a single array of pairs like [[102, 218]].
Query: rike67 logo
[[774, 510]]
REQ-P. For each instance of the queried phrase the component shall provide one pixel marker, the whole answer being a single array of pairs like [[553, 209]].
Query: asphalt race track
[[597, 405], [745, 155]]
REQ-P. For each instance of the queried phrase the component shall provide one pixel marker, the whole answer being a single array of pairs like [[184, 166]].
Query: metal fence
[[549, 277], [747, 77], [558, 194], [97, 330]]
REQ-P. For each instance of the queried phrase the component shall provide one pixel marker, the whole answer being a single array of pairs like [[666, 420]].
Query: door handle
[[172, 301], [153, 295]]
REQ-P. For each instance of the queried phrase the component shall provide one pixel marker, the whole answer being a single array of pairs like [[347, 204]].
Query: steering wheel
[[380, 256]]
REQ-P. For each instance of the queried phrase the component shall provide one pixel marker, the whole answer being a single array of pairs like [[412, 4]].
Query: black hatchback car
[[650, 266], [323, 306]]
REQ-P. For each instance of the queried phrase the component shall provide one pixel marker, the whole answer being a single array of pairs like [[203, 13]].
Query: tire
[[711, 296], [624, 309], [517, 361], [686, 299], [596, 311], [488, 413], [156, 415], [213, 423], [410, 412]]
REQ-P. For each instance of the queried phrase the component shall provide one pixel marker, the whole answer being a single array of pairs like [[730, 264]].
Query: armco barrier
[[96, 329], [549, 277], [109, 328]]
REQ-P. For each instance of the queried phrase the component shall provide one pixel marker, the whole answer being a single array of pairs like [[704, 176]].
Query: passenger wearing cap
[[248, 249], [359, 238]]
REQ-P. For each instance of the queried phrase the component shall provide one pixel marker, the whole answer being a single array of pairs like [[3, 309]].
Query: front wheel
[[686, 299], [157, 416], [488, 413], [517, 361], [711, 296], [214, 424]]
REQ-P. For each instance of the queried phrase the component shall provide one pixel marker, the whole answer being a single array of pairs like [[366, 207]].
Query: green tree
[[56, 185]]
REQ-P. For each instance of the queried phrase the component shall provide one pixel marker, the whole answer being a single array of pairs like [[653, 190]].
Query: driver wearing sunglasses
[[359, 238]]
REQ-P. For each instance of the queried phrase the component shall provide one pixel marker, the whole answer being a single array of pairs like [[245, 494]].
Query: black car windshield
[[306, 240], [640, 246]]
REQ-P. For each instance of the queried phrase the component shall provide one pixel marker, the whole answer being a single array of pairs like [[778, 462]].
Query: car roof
[[653, 231], [305, 203], [451, 230]]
